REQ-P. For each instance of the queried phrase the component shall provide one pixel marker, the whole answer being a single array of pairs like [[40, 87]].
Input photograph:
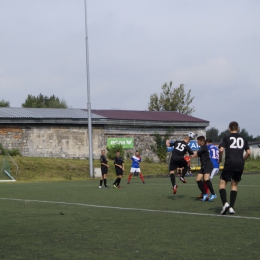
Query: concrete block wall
[[72, 141]]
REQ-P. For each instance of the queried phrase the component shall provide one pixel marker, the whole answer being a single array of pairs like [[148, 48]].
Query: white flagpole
[[89, 103]]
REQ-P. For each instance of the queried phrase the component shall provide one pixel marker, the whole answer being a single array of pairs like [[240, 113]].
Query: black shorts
[[104, 170], [207, 169], [119, 171], [227, 175], [177, 164]]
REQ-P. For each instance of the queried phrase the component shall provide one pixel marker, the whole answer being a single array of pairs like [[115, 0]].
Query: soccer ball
[[191, 135]]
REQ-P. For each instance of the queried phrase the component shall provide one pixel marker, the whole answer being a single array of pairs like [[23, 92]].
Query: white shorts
[[213, 173], [135, 170]]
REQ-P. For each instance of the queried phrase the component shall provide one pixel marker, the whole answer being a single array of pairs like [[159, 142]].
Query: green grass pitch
[[77, 220]]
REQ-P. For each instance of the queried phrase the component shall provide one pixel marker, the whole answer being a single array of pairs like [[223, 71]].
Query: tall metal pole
[[89, 103]]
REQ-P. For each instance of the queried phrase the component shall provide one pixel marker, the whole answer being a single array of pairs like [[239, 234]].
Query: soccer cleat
[[212, 197], [100, 187], [225, 209], [231, 210], [119, 186], [115, 186], [183, 180], [128, 182], [174, 190], [106, 187], [143, 182], [205, 197]]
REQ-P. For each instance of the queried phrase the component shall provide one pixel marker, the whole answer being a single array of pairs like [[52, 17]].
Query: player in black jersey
[[119, 167], [104, 169], [234, 145], [177, 159], [205, 169]]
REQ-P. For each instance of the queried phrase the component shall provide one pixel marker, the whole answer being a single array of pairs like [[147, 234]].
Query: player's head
[[103, 152], [117, 153], [136, 152], [186, 139], [208, 141], [233, 126], [201, 140]]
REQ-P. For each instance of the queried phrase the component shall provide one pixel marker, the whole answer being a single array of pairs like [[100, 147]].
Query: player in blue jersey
[[206, 169], [136, 159], [214, 157]]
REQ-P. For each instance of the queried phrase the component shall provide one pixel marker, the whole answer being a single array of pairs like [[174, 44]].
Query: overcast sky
[[135, 46]]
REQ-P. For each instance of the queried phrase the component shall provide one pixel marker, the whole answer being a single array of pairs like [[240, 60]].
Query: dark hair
[[201, 138], [233, 126], [208, 140]]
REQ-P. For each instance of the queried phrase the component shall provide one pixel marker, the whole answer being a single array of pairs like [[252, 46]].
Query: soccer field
[[77, 220]]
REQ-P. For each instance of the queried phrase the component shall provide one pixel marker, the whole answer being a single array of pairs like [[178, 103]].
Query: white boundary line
[[132, 209]]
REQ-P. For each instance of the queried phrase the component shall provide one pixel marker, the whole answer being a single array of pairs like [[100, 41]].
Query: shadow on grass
[[173, 197]]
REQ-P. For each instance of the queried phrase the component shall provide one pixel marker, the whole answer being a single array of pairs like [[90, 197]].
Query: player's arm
[[105, 164], [221, 151], [168, 143], [247, 154]]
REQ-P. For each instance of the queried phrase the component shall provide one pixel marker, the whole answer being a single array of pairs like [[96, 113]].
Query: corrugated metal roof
[[68, 113], [166, 116]]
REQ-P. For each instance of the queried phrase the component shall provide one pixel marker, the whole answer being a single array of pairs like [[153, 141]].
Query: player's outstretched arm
[[168, 143]]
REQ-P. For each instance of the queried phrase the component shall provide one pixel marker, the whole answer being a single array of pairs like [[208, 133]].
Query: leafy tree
[[160, 148], [172, 99], [213, 134], [257, 138], [42, 101], [246, 135], [224, 133], [4, 103]]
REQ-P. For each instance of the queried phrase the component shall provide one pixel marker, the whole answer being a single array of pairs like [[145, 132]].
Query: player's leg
[[184, 171], [183, 164], [119, 180], [200, 183], [118, 173], [105, 180], [172, 168], [101, 181], [209, 185], [224, 178], [213, 173], [233, 193], [141, 175], [132, 170]]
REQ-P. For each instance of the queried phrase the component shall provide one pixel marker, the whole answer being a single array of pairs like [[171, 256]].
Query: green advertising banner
[[125, 142]]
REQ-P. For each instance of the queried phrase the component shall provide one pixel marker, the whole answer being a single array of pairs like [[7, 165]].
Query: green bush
[[12, 152], [111, 151]]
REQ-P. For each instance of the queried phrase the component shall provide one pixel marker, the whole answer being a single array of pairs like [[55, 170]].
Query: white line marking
[[133, 209]]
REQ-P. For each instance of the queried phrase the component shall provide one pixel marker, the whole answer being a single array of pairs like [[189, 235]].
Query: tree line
[[216, 136], [39, 101]]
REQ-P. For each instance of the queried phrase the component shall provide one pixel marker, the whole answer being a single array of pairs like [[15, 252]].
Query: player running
[[177, 159], [136, 159], [234, 145]]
